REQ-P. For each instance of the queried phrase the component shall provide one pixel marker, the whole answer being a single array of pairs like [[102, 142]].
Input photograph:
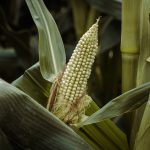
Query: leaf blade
[[33, 84], [124, 103], [51, 48], [30, 125]]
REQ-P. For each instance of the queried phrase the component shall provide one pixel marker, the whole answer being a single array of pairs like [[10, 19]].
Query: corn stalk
[[130, 49], [141, 132], [129, 43]]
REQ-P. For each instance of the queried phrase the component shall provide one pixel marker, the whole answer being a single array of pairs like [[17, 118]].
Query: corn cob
[[71, 99]]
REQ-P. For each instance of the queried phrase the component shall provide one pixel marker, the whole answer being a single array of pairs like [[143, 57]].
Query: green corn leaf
[[127, 102], [33, 84], [51, 48], [31, 126]]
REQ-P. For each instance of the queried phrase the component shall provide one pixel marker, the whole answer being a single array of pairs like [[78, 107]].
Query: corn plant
[[48, 107]]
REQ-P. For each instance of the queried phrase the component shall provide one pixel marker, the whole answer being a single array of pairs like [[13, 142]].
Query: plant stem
[[130, 49], [140, 132]]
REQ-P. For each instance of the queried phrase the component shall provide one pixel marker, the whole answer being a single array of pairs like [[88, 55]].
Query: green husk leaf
[[33, 84], [124, 103], [30, 125], [51, 48]]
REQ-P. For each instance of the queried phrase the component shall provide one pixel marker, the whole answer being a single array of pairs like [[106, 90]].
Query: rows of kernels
[[78, 70]]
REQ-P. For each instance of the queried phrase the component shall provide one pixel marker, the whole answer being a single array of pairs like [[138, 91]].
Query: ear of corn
[[71, 99]]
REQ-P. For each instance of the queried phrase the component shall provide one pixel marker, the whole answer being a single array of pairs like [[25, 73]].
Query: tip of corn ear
[[94, 27], [98, 19]]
